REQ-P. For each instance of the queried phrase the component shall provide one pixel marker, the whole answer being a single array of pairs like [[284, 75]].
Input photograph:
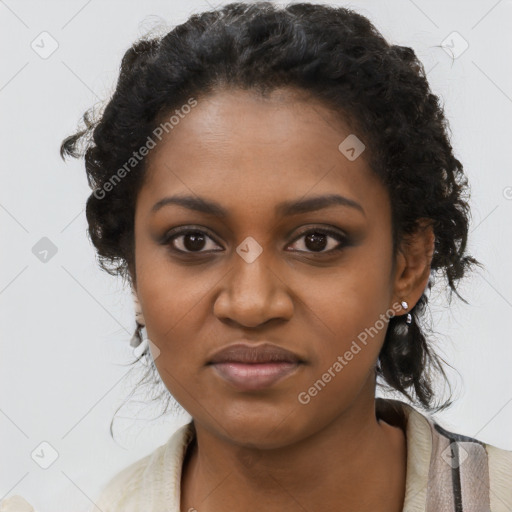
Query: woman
[[278, 187]]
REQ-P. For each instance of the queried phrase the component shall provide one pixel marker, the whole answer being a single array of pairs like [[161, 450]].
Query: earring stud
[[408, 318]]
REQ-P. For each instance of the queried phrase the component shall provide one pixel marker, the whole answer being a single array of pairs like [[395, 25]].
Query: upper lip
[[250, 353]]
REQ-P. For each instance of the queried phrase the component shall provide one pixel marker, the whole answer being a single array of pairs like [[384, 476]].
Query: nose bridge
[[252, 293], [251, 270]]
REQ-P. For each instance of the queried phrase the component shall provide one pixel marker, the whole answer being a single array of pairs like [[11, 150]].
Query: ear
[[412, 266]]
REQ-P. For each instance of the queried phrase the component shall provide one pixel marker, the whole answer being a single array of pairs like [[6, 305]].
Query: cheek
[[169, 293], [351, 311], [347, 320], [173, 303], [348, 325]]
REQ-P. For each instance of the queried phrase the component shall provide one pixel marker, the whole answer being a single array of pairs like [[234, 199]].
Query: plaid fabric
[[448, 472]]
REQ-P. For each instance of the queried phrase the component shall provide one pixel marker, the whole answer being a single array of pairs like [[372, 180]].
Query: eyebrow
[[286, 208]]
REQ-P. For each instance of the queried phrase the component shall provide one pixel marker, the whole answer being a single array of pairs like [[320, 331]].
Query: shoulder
[[476, 467], [122, 490], [500, 474], [15, 503], [143, 484], [446, 470], [466, 471]]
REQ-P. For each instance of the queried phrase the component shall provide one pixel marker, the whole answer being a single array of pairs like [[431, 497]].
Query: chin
[[262, 427]]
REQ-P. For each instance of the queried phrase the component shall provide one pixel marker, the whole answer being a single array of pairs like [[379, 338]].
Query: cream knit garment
[[446, 472]]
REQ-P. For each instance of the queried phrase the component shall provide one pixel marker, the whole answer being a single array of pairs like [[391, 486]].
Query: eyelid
[[183, 230], [326, 230], [341, 237]]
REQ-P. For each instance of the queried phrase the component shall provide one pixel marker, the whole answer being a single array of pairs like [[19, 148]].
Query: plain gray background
[[66, 325]]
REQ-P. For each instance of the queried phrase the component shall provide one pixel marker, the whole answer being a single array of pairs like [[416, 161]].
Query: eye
[[189, 241], [317, 240]]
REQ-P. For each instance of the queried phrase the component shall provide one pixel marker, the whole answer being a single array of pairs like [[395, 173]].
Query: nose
[[253, 294]]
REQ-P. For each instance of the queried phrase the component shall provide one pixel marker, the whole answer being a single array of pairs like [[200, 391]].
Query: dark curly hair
[[337, 57]]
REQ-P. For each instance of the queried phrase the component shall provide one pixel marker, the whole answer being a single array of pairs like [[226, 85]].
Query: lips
[[250, 367], [253, 354]]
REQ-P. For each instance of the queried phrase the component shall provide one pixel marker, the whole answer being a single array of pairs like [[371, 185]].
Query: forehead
[[238, 144]]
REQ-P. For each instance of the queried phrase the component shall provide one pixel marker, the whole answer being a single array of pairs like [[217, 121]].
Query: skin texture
[[264, 450]]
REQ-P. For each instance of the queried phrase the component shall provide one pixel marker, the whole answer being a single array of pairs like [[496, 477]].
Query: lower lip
[[251, 377]]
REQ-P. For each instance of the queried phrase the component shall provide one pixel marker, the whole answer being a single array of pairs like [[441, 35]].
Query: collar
[[417, 427]]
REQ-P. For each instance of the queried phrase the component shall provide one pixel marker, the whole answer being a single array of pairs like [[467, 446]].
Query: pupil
[[193, 241], [318, 241]]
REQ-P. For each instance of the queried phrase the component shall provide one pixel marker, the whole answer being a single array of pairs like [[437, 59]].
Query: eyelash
[[176, 233]]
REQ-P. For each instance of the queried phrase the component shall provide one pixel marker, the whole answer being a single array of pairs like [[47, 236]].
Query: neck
[[357, 462]]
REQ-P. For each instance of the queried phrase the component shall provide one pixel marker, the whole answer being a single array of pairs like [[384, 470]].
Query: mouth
[[254, 376], [251, 367]]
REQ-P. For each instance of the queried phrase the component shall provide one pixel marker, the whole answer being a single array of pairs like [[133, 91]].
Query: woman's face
[[253, 275]]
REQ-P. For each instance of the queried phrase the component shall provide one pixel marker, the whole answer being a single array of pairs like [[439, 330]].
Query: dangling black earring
[[402, 332]]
